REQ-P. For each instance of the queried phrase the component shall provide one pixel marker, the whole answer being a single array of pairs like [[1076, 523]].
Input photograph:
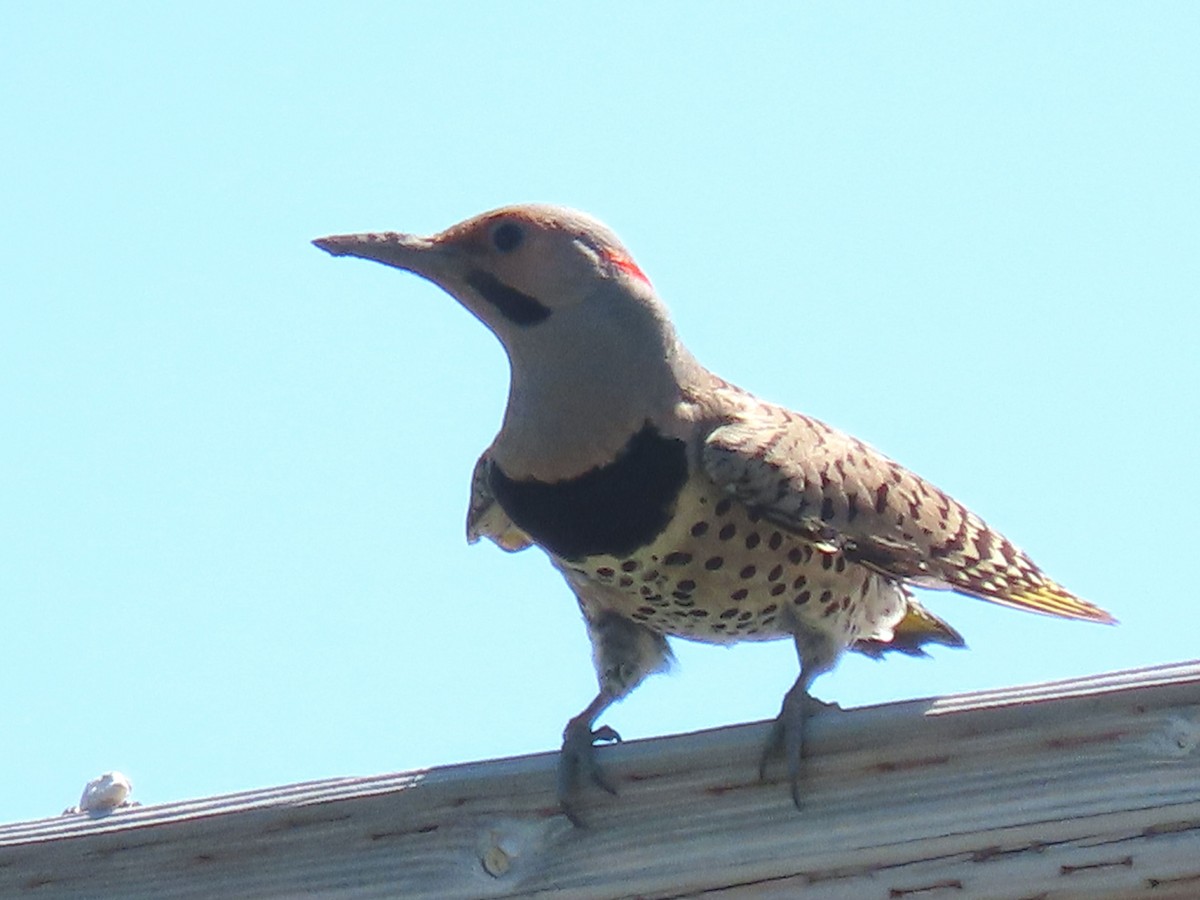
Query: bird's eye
[[507, 237]]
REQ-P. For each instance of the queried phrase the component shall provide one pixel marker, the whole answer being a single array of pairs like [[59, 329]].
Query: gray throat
[[574, 407]]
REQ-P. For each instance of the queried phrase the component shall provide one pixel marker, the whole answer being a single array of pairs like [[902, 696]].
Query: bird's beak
[[421, 255]]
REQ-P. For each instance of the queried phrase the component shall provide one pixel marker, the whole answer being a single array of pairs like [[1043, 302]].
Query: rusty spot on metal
[[903, 765], [1080, 740], [1178, 879], [986, 854], [952, 884], [1123, 863], [1170, 827], [402, 832]]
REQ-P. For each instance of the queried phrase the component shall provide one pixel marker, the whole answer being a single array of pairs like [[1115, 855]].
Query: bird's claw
[[577, 762], [605, 733], [786, 738]]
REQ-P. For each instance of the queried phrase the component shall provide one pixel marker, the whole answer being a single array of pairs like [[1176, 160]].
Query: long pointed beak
[[420, 255]]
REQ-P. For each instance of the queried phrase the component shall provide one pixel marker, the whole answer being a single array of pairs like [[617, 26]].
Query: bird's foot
[[577, 763], [786, 737]]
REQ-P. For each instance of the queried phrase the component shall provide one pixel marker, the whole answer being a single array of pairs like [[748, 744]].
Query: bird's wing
[[486, 519], [844, 496]]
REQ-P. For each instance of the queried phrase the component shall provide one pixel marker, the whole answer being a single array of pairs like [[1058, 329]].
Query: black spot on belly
[[612, 509]]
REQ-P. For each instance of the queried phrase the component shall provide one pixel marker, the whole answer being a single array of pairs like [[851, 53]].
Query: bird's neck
[[576, 407]]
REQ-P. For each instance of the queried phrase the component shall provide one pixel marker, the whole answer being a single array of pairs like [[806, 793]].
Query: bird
[[678, 505]]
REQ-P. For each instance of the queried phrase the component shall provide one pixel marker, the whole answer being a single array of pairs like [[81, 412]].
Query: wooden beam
[[1082, 788]]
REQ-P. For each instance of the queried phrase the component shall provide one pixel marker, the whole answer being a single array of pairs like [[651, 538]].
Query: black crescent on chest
[[612, 509]]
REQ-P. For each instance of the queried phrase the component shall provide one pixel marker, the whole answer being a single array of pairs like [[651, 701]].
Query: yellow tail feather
[[1054, 600]]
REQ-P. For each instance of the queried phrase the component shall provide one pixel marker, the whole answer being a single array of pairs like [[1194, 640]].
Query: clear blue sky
[[234, 471]]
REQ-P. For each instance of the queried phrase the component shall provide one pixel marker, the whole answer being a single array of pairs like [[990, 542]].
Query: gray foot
[[786, 737], [577, 763]]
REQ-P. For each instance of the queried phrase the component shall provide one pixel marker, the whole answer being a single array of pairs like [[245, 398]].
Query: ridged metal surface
[[1084, 788]]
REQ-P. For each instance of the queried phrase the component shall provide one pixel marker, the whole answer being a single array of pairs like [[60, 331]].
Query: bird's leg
[[624, 653], [817, 653], [787, 733]]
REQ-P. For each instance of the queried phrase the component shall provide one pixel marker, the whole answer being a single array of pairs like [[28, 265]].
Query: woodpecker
[[676, 504]]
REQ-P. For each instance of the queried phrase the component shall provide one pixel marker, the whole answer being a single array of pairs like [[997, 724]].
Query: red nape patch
[[625, 264]]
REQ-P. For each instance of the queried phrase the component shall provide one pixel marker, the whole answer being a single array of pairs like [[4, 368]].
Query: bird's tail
[[1051, 599], [918, 627]]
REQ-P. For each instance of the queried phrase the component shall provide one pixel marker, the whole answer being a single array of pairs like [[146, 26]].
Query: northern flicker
[[676, 504]]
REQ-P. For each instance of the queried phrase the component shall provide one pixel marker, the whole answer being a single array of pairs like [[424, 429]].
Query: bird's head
[[516, 268], [591, 346]]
